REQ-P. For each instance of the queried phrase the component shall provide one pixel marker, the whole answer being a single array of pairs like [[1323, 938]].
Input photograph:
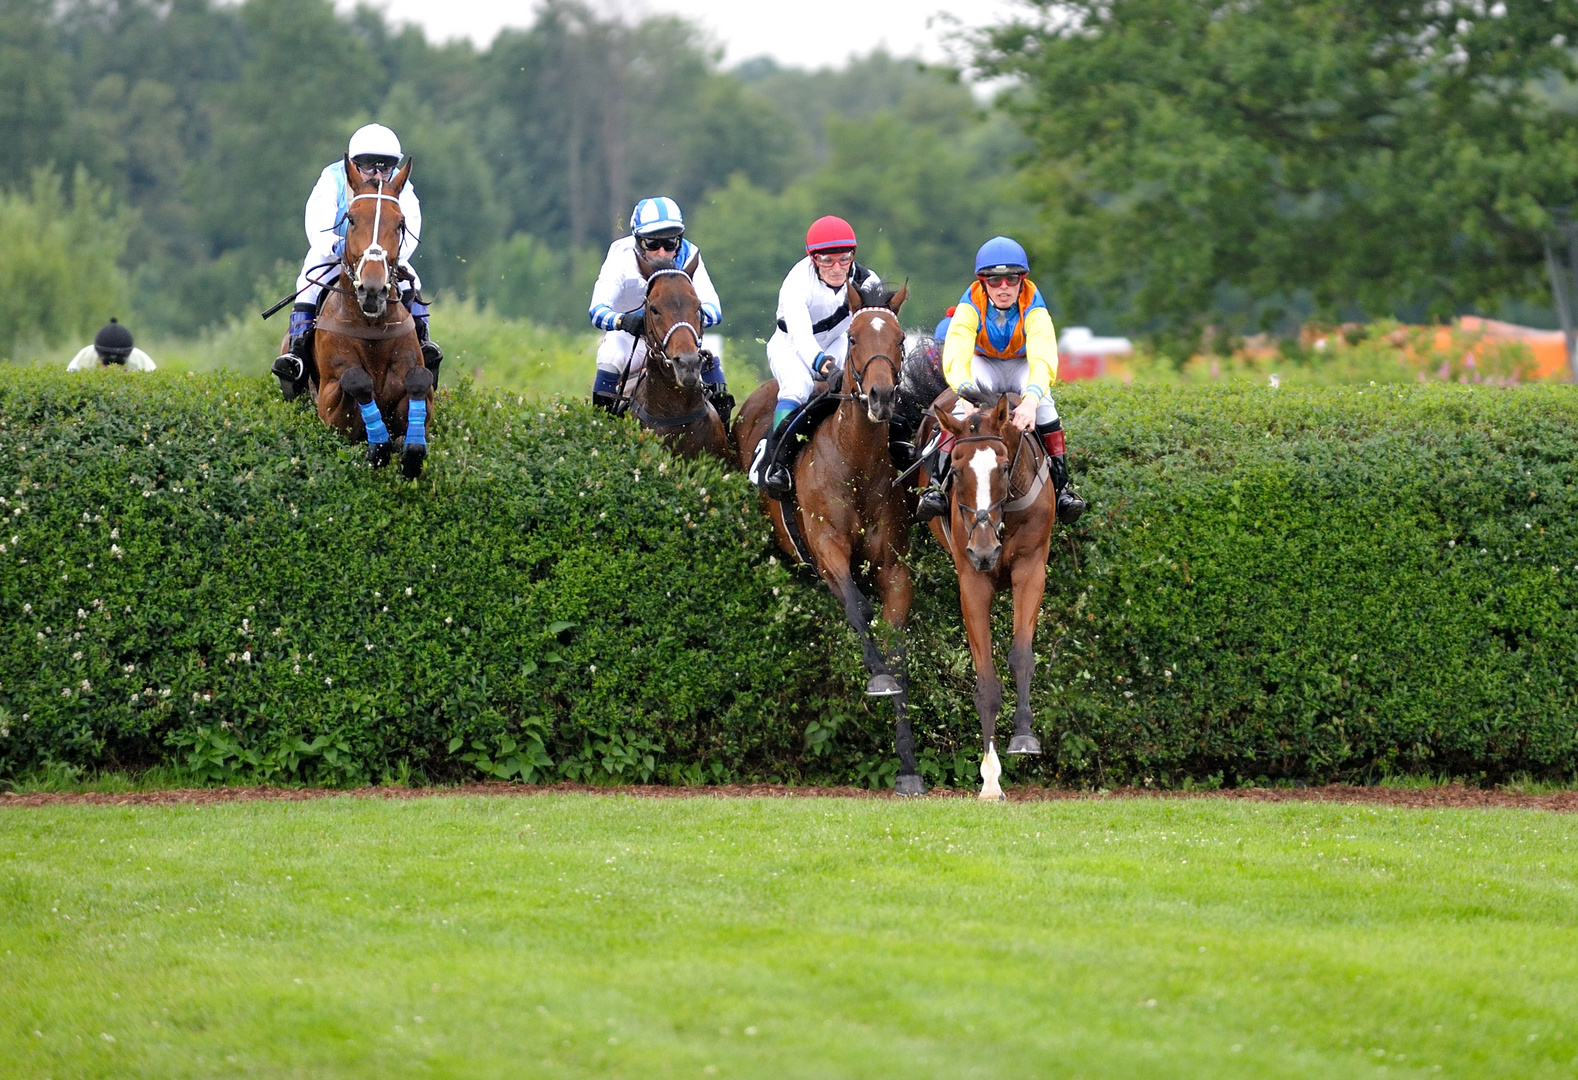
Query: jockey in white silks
[[373, 149], [620, 295], [812, 339]]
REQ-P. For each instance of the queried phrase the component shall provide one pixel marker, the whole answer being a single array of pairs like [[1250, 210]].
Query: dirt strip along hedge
[[1271, 585]]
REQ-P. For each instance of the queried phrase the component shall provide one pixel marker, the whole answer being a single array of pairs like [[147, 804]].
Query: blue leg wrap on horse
[[416, 424], [607, 382], [373, 420]]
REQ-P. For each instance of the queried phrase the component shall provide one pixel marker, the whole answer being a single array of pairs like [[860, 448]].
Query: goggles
[[377, 165], [658, 243], [997, 281], [833, 258]]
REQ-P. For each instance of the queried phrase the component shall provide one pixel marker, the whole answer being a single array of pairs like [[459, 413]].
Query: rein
[[660, 348], [374, 252]]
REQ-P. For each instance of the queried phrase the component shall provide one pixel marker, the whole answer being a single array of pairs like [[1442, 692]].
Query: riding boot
[[1069, 505], [605, 391], [294, 366], [934, 500], [722, 401], [770, 470], [432, 355]]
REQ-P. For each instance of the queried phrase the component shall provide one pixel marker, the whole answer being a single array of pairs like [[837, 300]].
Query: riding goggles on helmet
[[380, 165], [833, 258], [658, 243]]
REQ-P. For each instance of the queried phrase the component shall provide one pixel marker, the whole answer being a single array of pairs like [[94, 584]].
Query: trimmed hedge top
[[1271, 585]]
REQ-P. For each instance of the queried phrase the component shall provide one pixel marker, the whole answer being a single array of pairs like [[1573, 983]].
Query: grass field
[[572, 935]]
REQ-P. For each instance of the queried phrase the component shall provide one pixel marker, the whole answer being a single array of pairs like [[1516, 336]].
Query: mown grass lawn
[[562, 935]]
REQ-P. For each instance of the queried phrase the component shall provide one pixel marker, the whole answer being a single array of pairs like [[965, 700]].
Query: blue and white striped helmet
[[658, 214]]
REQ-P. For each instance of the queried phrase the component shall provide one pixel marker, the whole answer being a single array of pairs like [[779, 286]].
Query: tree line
[[1172, 164]]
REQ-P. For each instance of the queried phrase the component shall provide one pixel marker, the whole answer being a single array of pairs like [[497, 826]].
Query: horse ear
[[353, 175], [643, 263], [1000, 413], [952, 426], [852, 295], [690, 267], [896, 301], [397, 182]]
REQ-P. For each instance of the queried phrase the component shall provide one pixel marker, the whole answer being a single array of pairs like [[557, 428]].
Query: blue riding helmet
[[658, 214], [1000, 255]]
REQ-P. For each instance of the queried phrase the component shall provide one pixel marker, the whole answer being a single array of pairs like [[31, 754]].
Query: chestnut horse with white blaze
[[371, 381], [849, 507], [669, 396], [998, 529]]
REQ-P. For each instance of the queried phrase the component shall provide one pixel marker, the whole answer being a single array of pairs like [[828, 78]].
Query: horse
[[669, 396], [1001, 510], [371, 380], [848, 507]]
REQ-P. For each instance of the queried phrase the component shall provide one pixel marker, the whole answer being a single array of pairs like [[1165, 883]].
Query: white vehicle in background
[[1083, 355]]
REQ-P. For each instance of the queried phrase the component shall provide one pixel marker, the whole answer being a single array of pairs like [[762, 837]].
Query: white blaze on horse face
[[981, 464]]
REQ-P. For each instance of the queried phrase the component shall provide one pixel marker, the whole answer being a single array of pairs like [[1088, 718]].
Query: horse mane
[[874, 296]]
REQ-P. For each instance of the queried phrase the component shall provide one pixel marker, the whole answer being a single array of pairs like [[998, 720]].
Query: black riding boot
[[604, 401], [934, 500], [722, 401], [1069, 505], [777, 481], [294, 367]]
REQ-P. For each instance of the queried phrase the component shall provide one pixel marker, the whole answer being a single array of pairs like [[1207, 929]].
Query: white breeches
[[314, 276], [1004, 377], [794, 375], [621, 353]]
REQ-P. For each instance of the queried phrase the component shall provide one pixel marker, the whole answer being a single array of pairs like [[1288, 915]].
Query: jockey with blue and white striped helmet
[[373, 148], [619, 300]]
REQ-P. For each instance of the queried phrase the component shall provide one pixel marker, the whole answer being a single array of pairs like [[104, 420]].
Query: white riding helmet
[[658, 214], [375, 140]]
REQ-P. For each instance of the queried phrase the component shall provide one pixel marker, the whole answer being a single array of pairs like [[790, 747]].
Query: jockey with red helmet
[[1001, 339], [812, 338]]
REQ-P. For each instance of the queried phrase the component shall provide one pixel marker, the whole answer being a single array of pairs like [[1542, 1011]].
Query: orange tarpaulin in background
[[1548, 346]]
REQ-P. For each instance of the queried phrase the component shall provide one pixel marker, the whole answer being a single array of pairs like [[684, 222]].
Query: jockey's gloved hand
[[823, 365], [634, 322]]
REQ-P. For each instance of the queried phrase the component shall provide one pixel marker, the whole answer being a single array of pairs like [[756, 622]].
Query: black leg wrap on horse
[[358, 384]]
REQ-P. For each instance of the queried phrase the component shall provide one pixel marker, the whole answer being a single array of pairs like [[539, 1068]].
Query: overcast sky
[[799, 33]]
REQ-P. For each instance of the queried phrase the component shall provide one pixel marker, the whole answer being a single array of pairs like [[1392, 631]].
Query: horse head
[[673, 320], [374, 228], [980, 481], [876, 348]]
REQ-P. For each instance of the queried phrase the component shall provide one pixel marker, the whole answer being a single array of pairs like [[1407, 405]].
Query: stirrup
[[1069, 506], [288, 367], [777, 481], [933, 504]]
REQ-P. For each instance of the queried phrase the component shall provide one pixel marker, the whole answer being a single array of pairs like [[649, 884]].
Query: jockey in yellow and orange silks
[[1002, 340]]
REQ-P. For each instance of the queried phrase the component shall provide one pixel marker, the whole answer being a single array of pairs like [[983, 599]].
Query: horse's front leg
[[419, 403], [358, 385], [1030, 579], [857, 609], [975, 602], [897, 593]]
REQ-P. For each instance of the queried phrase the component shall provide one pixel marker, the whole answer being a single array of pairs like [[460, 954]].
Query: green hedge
[[1272, 585]]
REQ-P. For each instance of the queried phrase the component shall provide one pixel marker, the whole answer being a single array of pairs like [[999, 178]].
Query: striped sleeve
[[1040, 349], [958, 348]]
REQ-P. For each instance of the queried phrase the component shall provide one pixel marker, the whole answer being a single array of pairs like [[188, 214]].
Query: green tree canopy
[[1362, 152]]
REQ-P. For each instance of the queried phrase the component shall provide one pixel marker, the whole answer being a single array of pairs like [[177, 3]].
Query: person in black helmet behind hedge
[[112, 347]]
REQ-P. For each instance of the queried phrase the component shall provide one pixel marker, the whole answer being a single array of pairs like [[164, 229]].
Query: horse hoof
[[909, 784], [1024, 744], [411, 459], [378, 454], [883, 686]]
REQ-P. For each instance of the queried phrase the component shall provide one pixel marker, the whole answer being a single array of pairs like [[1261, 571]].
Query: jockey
[[373, 147], [112, 346], [812, 339], [619, 301], [1001, 339]]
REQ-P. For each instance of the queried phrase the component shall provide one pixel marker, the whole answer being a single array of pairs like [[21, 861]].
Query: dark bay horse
[[848, 506], [998, 529], [371, 381], [669, 397]]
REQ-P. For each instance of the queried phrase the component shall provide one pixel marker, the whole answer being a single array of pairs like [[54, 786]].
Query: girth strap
[[366, 332]]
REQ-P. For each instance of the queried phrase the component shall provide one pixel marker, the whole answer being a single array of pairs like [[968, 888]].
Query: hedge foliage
[[1272, 585]]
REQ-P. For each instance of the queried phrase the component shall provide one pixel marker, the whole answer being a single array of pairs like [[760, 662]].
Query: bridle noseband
[[977, 518], [374, 252], [660, 348], [856, 378]]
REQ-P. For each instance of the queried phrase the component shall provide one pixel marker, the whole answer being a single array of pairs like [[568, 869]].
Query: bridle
[[660, 348], [375, 252], [857, 380], [974, 517]]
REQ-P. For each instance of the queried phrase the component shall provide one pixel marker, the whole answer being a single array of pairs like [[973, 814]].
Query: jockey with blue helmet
[[620, 295], [1001, 340], [812, 339], [373, 149]]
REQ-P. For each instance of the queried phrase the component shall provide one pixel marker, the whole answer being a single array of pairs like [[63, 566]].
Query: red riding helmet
[[829, 234]]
